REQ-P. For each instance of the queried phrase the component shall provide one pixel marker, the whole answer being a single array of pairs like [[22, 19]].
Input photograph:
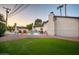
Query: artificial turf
[[39, 46]]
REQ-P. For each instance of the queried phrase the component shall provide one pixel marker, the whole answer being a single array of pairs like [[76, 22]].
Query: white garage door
[[67, 27]]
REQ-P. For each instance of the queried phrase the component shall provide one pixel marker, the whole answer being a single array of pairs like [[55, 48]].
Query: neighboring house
[[38, 28], [66, 26], [45, 25], [21, 29]]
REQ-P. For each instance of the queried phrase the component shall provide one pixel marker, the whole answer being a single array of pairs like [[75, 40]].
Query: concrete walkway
[[19, 36], [67, 38]]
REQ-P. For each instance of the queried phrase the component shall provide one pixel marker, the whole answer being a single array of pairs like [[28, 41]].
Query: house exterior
[[38, 28], [21, 29], [66, 26]]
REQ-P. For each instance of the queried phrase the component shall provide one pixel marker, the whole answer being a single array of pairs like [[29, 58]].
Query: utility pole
[[7, 12], [59, 7], [65, 9], [60, 12]]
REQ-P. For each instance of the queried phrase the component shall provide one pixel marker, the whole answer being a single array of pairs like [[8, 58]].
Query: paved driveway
[[19, 36]]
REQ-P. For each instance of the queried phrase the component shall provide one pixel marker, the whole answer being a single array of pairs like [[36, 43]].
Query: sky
[[34, 11]]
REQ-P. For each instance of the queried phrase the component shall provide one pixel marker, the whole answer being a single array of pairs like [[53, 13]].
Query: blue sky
[[34, 11]]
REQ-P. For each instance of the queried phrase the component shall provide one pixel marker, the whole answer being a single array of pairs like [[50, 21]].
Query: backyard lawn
[[39, 46]]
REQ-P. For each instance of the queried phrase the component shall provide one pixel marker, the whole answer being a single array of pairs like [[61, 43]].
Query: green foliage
[[2, 25], [1, 18], [40, 46], [2, 28], [29, 27], [41, 30], [10, 28], [38, 22]]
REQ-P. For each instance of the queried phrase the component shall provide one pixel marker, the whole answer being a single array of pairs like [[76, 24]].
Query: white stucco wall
[[62, 26], [50, 24], [45, 27], [68, 27]]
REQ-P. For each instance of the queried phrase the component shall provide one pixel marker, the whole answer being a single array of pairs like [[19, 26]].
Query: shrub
[[2, 29], [9, 28]]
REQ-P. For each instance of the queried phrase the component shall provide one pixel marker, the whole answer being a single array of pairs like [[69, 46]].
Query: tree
[[2, 18], [41, 30], [2, 25], [38, 22], [9, 28], [29, 26]]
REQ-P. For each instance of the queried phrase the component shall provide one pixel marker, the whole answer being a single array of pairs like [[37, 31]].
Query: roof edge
[[67, 17]]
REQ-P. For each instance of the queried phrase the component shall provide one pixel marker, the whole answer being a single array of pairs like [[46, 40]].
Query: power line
[[16, 9], [65, 9], [7, 12], [59, 7], [22, 8]]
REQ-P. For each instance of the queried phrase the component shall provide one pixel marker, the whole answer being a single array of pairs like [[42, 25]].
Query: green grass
[[40, 46]]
